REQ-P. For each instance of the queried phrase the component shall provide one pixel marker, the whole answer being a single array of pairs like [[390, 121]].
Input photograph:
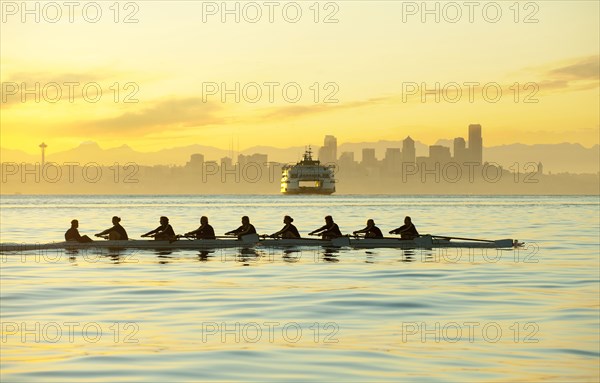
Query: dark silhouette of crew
[[205, 231], [371, 231], [115, 233], [288, 231], [329, 231], [406, 231], [246, 228], [164, 232], [73, 234]]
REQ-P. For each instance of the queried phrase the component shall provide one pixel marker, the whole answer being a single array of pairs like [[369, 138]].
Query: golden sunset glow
[[369, 76]]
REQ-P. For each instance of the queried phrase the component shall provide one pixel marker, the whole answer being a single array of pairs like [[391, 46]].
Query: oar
[[363, 237], [296, 239], [463, 239]]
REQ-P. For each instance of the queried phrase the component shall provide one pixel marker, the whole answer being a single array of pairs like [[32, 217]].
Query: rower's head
[[328, 219], [370, 223], [407, 220], [75, 223], [245, 220], [204, 220], [164, 220], [116, 220], [288, 219]]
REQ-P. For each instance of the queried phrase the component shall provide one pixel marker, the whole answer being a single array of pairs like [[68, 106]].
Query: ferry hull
[[308, 191]]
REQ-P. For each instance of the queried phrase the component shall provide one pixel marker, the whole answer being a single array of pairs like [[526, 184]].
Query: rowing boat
[[430, 242], [246, 241], [304, 242], [251, 240]]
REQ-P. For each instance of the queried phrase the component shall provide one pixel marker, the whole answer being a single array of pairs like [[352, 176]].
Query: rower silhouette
[[328, 231], [73, 234], [406, 231], [205, 231], [115, 233], [246, 228], [371, 231], [164, 232], [288, 231]]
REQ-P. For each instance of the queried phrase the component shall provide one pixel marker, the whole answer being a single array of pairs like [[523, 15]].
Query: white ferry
[[308, 177]]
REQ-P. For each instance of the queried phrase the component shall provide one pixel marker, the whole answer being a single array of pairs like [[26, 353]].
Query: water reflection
[[164, 256], [115, 255], [370, 256], [292, 255], [330, 254], [249, 255], [204, 255]]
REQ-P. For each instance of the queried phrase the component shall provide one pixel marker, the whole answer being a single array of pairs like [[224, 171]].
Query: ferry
[[308, 177]]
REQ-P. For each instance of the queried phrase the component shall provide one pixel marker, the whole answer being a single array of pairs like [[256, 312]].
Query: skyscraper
[[460, 150], [392, 161], [368, 157], [328, 152], [475, 143], [408, 150], [439, 154]]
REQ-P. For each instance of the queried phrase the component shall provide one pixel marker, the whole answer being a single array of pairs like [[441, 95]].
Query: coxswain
[[73, 234]]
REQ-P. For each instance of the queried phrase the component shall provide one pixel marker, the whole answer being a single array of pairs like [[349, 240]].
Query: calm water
[[309, 314]]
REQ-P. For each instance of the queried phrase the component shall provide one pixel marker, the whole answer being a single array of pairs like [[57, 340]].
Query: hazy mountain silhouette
[[563, 157]]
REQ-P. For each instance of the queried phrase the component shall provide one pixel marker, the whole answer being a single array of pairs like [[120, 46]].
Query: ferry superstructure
[[308, 177]]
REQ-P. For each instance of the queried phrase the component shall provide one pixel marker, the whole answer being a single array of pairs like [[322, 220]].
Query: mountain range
[[564, 157]]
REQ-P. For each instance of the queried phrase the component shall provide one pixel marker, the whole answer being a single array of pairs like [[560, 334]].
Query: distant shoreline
[[299, 196]]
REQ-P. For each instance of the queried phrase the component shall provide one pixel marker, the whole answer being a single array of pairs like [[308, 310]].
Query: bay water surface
[[306, 313]]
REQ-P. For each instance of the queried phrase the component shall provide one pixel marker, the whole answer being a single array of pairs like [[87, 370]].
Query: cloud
[[164, 115], [579, 74], [70, 84], [587, 68], [295, 111], [574, 75]]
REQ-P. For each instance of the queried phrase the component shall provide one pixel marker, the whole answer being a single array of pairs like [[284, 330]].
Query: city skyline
[[405, 150]]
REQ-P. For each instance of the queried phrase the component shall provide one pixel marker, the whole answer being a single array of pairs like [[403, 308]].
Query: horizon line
[[287, 147]]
